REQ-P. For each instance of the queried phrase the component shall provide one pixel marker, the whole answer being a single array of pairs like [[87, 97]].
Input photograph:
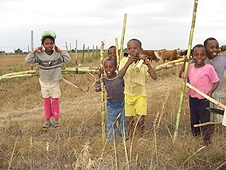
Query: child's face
[[112, 53], [199, 56], [133, 48], [109, 67], [212, 48], [48, 44]]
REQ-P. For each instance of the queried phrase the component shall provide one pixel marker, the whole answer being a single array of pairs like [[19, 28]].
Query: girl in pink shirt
[[203, 77]]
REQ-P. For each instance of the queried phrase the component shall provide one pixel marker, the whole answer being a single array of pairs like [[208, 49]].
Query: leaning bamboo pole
[[168, 65], [123, 36], [103, 112], [185, 70], [76, 70], [117, 54], [68, 70]]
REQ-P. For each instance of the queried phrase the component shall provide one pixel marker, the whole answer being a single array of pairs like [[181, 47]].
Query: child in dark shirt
[[115, 98]]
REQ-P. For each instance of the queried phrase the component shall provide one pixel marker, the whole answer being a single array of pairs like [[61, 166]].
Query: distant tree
[[2, 52], [18, 51]]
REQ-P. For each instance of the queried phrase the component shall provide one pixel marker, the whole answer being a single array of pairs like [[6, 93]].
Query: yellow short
[[135, 105]]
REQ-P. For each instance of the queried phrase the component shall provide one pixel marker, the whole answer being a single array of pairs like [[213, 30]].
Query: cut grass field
[[77, 144]]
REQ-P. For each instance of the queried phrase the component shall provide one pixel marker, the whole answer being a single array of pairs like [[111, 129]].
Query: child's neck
[[49, 52], [199, 65], [112, 75]]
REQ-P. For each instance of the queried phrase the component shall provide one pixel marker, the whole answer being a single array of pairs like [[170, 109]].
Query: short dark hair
[[134, 39], [111, 47], [209, 39], [198, 46], [112, 60], [50, 37]]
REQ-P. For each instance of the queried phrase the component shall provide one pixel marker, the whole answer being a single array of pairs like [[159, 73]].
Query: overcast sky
[[157, 23]]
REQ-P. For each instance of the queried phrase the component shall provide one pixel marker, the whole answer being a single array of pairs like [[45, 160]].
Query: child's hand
[[101, 71], [210, 94], [38, 49], [57, 49], [146, 61], [131, 59], [186, 59]]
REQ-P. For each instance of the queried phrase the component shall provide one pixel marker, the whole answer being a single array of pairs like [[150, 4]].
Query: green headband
[[48, 33]]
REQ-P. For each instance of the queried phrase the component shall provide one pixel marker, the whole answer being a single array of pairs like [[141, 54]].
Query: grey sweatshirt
[[49, 65]]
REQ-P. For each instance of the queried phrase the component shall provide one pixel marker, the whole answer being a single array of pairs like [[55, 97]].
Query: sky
[[158, 24]]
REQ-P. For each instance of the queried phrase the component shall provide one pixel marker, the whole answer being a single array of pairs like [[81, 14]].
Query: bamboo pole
[[103, 112], [123, 36], [207, 123], [168, 65], [206, 96], [211, 100], [117, 54], [185, 70], [68, 70]]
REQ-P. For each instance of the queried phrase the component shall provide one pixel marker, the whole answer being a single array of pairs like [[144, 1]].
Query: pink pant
[[51, 108]]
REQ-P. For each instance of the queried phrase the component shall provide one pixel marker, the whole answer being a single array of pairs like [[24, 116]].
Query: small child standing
[[135, 87], [219, 64], [115, 99], [203, 77], [49, 61]]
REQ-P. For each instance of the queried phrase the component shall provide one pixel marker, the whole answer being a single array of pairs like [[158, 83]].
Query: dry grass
[[77, 144]]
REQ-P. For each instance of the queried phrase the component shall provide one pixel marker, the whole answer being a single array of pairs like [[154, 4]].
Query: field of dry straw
[[77, 144]]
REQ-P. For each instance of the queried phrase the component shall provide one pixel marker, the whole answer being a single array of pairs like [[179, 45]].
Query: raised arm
[[182, 68], [30, 58], [122, 71], [151, 70]]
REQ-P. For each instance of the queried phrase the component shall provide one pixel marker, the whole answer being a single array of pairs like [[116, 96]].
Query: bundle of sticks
[[142, 57]]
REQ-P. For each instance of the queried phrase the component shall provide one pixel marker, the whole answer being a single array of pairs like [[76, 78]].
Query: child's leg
[[129, 126], [141, 110], [140, 126], [47, 109], [111, 120], [194, 116], [206, 132], [205, 117], [56, 108], [122, 122]]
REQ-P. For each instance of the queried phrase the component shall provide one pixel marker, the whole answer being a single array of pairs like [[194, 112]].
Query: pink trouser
[[51, 108]]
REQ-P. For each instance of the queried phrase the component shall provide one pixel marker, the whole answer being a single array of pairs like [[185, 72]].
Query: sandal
[[47, 125], [56, 124]]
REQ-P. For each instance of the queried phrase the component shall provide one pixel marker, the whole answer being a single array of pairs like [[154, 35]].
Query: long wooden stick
[[123, 36], [207, 123], [210, 99], [117, 54], [103, 112], [206, 96], [185, 70]]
